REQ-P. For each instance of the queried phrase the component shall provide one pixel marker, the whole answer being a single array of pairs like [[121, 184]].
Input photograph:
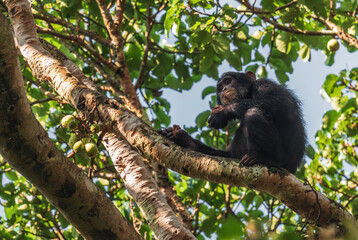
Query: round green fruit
[[333, 45], [73, 139], [69, 121], [91, 149], [86, 140], [78, 147], [72, 124], [95, 128]]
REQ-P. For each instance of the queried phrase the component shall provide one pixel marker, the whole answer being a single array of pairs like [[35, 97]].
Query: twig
[[261, 13], [43, 100], [196, 215]]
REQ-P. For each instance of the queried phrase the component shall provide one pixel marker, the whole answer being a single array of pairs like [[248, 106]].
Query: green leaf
[[283, 42], [163, 117], [172, 82], [281, 76], [267, 38], [261, 72], [11, 175], [288, 235], [164, 65], [290, 15], [231, 228], [329, 119], [63, 221], [221, 45], [9, 212], [234, 60], [241, 35], [353, 74], [329, 58], [182, 70], [305, 53], [350, 104], [310, 152], [170, 19], [331, 88], [133, 56], [279, 64], [203, 38], [207, 58], [245, 52], [259, 57], [257, 35], [207, 91], [202, 118], [268, 5], [164, 103], [252, 68], [316, 6], [72, 8], [330, 81]]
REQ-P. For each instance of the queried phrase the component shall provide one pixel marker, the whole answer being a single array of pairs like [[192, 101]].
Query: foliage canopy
[[174, 44]]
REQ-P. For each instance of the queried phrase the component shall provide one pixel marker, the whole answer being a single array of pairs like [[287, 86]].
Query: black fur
[[271, 130]]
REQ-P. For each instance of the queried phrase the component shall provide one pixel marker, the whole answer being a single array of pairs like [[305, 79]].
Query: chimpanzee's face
[[232, 87]]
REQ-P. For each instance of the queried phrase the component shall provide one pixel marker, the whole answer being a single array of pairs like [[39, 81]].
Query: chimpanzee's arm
[[222, 114], [183, 139]]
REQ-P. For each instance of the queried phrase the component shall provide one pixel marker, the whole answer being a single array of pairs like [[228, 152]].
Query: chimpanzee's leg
[[263, 142]]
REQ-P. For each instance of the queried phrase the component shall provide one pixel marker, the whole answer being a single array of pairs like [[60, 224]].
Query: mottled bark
[[114, 29], [300, 197], [78, 90], [25, 145], [144, 190]]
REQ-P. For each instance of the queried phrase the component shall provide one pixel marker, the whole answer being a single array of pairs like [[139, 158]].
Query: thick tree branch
[[164, 223], [172, 199], [31, 152], [145, 190]]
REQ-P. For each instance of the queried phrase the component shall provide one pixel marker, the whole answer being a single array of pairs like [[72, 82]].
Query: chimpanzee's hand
[[218, 117], [179, 136]]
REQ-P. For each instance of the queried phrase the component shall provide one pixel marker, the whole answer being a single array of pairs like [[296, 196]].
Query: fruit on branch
[[78, 147], [69, 122], [95, 128], [333, 45], [73, 139], [91, 149]]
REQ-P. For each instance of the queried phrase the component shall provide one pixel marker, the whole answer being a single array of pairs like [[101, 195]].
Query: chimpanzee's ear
[[251, 75]]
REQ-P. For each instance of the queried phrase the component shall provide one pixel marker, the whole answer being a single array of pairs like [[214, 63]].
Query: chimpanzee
[[271, 130]]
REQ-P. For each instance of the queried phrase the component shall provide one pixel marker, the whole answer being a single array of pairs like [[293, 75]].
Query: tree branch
[[143, 64], [51, 19], [144, 190], [290, 29], [297, 31], [31, 152], [164, 222], [338, 31], [113, 27]]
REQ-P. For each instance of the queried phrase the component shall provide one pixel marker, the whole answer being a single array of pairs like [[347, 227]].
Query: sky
[[306, 81]]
